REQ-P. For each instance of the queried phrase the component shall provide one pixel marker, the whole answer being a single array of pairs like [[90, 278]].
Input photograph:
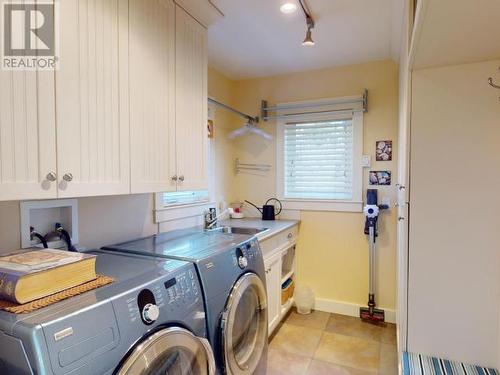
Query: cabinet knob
[[174, 178], [181, 178], [51, 177], [400, 187], [68, 177], [290, 235], [401, 218]]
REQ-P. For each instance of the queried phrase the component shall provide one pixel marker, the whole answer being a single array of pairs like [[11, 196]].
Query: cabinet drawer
[[278, 241], [287, 236]]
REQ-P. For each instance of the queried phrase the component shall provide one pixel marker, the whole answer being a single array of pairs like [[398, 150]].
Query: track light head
[[308, 41]]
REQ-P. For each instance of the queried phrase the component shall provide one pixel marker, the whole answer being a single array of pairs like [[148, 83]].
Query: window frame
[[307, 204]]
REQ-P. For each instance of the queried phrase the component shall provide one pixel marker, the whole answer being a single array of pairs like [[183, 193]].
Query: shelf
[[287, 276], [286, 307]]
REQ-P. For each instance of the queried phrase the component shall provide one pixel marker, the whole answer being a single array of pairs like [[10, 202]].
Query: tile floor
[[323, 343]]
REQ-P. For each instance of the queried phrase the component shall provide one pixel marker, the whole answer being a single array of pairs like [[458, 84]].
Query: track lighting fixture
[[308, 41]]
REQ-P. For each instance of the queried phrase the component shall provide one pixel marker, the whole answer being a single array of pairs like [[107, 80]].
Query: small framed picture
[[384, 151], [380, 177]]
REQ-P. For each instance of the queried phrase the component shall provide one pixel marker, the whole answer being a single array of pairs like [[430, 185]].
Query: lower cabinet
[[279, 262], [273, 282]]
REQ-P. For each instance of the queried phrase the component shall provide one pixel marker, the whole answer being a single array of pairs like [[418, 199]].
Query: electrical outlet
[[366, 161]]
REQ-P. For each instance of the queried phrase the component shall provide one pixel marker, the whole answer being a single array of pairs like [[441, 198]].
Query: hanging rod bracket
[[365, 101], [264, 112], [492, 84]]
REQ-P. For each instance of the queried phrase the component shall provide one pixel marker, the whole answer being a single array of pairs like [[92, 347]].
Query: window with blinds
[[318, 160], [185, 197]]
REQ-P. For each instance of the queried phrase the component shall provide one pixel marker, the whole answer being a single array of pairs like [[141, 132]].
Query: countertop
[[274, 226]]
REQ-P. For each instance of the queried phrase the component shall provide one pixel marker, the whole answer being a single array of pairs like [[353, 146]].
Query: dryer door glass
[[245, 325], [172, 351]]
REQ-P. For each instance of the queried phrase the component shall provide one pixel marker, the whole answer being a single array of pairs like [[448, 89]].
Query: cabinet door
[[273, 283], [191, 102], [27, 135], [92, 99], [152, 95]]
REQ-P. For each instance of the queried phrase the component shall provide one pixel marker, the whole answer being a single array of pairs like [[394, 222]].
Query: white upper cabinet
[[27, 135], [92, 113], [126, 112], [191, 102], [152, 95]]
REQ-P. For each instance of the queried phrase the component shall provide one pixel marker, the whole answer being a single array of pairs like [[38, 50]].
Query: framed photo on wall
[[380, 177], [384, 150]]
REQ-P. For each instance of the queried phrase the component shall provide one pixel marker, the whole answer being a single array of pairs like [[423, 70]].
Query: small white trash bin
[[304, 299]]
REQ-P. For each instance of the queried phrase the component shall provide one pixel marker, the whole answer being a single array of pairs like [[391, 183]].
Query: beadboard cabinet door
[[191, 102], [273, 283], [92, 102], [152, 95], [27, 135]]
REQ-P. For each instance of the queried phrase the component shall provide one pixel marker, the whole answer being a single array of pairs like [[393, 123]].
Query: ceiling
[[468, 31], [255, 39]]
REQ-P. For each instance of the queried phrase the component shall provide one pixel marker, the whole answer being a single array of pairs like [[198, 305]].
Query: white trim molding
[[349, 309], [321, 205], [182, 212]]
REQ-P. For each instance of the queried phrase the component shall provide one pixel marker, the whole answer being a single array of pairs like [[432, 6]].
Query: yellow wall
[[332, 255], [222, 89]]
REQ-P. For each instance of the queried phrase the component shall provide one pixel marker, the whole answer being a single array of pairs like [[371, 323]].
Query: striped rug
[[417, 364]]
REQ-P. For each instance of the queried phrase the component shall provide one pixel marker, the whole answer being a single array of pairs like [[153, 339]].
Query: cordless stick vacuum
[[371, 211]]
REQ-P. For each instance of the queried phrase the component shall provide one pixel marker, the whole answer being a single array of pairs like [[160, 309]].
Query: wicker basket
[[287, 291]]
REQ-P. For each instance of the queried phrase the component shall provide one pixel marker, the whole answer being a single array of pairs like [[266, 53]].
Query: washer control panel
[[177, 292], [182, 289], [246, 253]]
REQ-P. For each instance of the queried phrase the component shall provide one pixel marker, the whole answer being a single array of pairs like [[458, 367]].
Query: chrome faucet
[[211, 222]]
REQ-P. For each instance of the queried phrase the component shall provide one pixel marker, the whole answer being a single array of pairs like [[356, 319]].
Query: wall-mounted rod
[[321, 107], [231, 109], [330, 112], [313, 105]]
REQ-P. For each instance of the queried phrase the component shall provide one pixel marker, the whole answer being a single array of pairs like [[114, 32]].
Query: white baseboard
[[349, 309]]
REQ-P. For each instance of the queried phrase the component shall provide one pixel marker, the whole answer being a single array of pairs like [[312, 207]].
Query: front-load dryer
[[150, 320], [231, 270]]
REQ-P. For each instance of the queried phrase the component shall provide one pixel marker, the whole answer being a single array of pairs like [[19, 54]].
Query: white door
[[273, 283], [92, 99], [27, 135], [403, 181], [152, 95], [191, 102]]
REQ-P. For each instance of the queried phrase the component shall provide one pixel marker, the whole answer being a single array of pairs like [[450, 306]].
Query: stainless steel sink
[[239, 230]]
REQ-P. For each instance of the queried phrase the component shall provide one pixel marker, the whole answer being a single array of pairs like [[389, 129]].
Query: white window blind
[[318, 160], [185, 197]]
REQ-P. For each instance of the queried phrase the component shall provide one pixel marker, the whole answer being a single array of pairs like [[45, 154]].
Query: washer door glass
[[172, 351], [245, 325]]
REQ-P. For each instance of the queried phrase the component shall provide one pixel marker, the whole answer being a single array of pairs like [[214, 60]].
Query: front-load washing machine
[[231, 270], [150, 320]]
